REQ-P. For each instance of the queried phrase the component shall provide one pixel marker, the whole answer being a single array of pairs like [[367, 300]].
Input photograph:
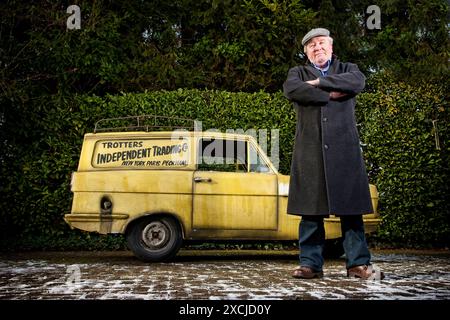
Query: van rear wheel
[[155, 238]]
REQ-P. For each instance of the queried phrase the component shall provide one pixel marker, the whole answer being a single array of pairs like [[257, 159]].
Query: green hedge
[[406, 132], [42, 146]]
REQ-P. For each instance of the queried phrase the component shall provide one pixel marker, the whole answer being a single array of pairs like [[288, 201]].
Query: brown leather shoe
[[306, 273], [365, 272]]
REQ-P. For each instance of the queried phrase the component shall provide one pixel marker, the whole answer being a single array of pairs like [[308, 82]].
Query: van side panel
[[132, 193]]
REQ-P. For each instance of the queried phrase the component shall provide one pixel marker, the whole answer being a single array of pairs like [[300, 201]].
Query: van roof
[[144, 123], [164, 134]]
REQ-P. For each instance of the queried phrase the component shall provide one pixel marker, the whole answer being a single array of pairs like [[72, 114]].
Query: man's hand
[[336, 95], [314, 82]]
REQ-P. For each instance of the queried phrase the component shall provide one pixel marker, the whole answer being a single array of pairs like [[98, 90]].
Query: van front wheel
[[155, 238]]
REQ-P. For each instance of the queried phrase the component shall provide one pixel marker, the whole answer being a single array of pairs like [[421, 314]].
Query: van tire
[[155, 239]]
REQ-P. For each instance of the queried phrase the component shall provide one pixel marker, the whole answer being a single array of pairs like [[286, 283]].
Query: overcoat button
[[325, 119], [325, 146]]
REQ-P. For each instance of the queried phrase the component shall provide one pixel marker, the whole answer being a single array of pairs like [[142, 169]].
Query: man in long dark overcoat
[[328, 175]]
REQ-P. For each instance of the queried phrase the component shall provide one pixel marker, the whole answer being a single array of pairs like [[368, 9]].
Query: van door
[[233, 189]]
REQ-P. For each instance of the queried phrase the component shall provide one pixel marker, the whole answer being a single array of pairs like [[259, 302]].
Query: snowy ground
[[210, 275]]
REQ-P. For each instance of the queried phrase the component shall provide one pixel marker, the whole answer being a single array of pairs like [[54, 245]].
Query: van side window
[[222, 155], [257, 164]]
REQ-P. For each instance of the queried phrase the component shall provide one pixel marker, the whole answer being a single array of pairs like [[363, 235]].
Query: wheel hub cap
[[155, 235]]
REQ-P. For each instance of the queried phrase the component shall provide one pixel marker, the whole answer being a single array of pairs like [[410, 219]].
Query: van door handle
[[200, 179]]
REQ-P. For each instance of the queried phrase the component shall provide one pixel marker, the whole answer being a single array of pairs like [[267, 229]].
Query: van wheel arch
[[155, 237]]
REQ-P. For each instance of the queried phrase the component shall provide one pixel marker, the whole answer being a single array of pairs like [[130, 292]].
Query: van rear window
[[141, 153]]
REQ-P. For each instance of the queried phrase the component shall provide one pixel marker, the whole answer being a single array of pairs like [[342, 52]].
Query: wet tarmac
[[217, 275]]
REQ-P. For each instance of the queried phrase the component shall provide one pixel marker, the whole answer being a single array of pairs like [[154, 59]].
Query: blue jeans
[[312, 240]]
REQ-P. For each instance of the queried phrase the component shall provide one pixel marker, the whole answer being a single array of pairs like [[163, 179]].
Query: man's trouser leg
[[355, 245], [311, 242]]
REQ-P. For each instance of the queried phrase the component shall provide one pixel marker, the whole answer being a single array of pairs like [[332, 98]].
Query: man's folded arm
[[295, 89], [351, 82]]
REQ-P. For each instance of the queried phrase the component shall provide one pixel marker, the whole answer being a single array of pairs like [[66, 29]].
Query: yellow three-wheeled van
[[161, 187]]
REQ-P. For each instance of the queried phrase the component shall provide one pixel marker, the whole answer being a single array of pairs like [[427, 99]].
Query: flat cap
[[315, 33]]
